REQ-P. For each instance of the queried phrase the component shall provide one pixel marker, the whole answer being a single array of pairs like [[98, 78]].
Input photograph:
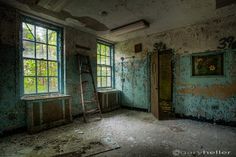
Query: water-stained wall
[[132, 78], [213, 97], [75, 37], [12, 110]]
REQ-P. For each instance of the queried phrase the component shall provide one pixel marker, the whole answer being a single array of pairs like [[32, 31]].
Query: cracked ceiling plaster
[[99, 16]]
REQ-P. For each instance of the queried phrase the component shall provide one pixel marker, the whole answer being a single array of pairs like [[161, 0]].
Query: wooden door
[[165, 84], [154, 85]]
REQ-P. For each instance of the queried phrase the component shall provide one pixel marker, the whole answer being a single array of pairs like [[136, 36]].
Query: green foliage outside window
[[40, 59], [104, 65]]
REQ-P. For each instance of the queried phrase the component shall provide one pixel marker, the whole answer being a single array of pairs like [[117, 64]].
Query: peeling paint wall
[[213, 98], [12, 110], [132, 78], [73, 37]]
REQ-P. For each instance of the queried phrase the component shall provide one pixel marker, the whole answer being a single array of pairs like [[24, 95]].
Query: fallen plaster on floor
[[138, 134]]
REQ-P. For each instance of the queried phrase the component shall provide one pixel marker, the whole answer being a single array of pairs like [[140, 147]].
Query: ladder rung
[[85, 64], [92, 111], [89, 101], [85, 71], [89, 91]]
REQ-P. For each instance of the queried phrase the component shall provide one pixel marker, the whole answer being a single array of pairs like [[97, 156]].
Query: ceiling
[[99, 16]]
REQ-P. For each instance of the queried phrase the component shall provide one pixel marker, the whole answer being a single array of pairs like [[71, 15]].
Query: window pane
[[103, 59], [98, 59], [108, 61], [42, 68], [98, 71], [29, 67], [103, 50], [99, 81], [42, 84], [40, 34], [29, 85], [98, 49], [28, 49], [52, 37], [41, 51], [108, 81], [104, 81], [52, 68], [108, 71], [107, 51], [104, 69], [52, 52], [104, 72], [53, 84], [28, 31]]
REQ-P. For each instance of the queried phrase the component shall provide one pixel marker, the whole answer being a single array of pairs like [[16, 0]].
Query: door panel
[[165, 84], [154, 85]]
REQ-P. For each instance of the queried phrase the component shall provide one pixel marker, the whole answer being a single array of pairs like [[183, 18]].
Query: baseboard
[[135, 108], [203, 119], [10, 132]]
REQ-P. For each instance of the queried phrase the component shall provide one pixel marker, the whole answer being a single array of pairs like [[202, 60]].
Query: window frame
[[111, 65], [60, 56]]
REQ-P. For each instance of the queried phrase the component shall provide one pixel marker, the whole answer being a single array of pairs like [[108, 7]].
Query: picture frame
[[208, 64], [138, 48]]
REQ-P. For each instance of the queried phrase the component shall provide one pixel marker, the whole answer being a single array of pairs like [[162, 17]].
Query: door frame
[[168, 51], [154, 85]]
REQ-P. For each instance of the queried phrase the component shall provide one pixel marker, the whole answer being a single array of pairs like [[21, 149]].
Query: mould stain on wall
[[133, 80], [72, 38], [212, 98], [13, 111], [215, 91]]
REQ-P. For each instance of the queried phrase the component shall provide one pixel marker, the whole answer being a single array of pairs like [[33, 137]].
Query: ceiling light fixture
[[140, 24], [104, 13]]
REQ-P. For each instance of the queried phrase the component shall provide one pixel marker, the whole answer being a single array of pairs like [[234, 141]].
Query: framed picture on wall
[[205, 65], [138, 48]]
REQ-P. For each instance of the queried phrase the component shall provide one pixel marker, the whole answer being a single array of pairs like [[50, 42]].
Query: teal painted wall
[[132, 79], [74, 37], [211, 97], [12, 110]]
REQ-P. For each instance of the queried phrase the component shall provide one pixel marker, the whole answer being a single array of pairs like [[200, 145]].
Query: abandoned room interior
[[117, 78]]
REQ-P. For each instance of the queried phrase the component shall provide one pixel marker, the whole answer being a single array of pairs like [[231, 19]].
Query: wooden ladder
[[85, 70]]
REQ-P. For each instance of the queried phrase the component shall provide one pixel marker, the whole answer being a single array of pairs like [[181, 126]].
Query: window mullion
[[105, 55], [99, 54], [36, 65], [100, 49], [101, 78], [100, 63], [106, 76], [111, 68], [59, 66], [47, 59]]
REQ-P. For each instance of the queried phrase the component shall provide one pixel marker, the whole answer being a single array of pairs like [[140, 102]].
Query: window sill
[[106, 90], [43, 97]]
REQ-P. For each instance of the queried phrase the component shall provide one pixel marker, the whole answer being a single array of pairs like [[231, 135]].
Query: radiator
[[109, 99], [44, 112]]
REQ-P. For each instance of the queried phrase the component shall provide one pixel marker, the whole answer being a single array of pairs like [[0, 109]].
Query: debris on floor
[[123, 129], [176, 129]]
